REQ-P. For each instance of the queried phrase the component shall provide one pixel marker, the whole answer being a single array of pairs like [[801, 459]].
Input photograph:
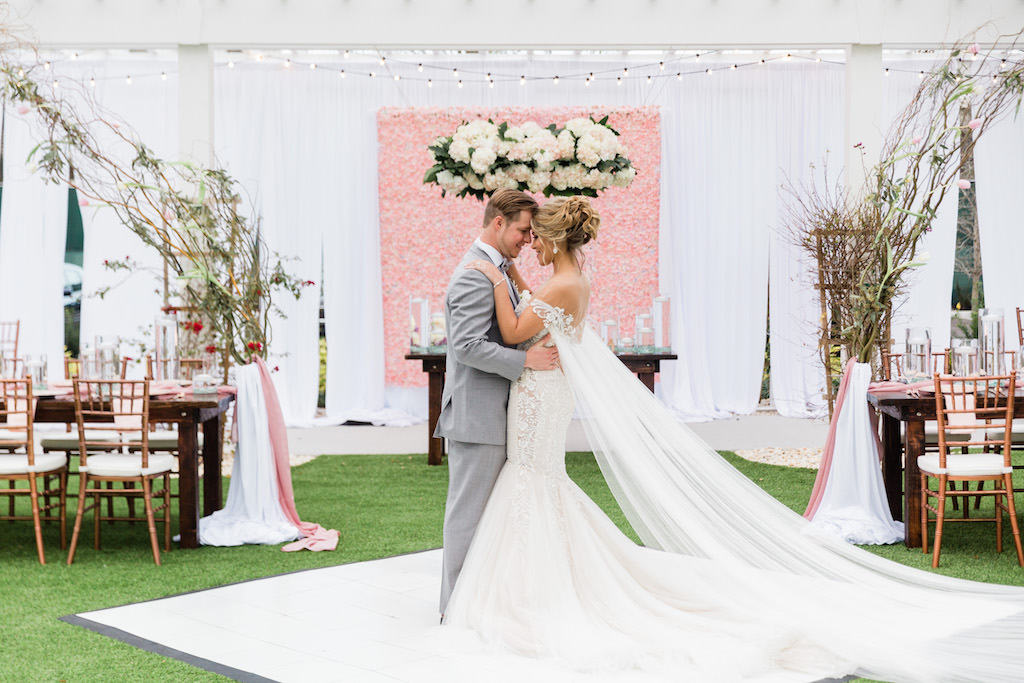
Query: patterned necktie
[[511, 289]]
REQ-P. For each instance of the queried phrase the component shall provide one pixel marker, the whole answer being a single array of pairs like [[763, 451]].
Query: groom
[[480, 369]]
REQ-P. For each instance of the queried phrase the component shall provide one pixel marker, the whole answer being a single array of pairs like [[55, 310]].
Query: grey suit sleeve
[[471, 309]]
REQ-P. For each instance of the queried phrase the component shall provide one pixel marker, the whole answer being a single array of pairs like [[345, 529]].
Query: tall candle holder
[[661, 323], [991, 341], [917, 358], [610, 333], [438, 336], [165, 340], [419, 324]]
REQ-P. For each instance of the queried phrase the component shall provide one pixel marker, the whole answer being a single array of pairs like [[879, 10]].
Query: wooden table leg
[[892, 465], [435, 389], [188, 485], [647, 377], [912, 483], [213, 498]]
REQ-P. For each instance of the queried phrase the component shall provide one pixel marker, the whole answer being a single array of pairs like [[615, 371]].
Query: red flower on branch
[[210, 348]]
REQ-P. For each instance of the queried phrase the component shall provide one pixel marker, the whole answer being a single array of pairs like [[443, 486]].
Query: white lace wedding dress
[[728, 588]]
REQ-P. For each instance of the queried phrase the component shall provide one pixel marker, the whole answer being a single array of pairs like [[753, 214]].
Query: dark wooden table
[[899, 454], [645, 365], [188, 412]]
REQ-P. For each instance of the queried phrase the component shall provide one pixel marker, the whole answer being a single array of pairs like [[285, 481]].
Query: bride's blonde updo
[[567, 222]]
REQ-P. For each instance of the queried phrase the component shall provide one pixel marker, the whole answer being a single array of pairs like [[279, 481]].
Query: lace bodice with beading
[[541, 403]]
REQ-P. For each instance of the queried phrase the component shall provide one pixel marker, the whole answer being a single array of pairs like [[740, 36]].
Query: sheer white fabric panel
[[1000, 177], [149, 107], [929, 287], [285, 175], [33, 221], [810, 153]]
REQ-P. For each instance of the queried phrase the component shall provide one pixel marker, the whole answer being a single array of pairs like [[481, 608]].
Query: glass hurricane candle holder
[[661, 324], [610, 333], [965, 357], [419, 324], [991, 342], [917, 357]]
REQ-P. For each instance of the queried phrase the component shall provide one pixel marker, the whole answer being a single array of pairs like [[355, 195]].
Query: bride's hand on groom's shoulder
[[488, 269]]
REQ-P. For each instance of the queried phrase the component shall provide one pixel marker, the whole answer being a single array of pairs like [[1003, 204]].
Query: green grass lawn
[[382, 505]]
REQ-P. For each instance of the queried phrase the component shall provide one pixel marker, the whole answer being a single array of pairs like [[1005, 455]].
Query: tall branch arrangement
[[864, 245], [224, 272]]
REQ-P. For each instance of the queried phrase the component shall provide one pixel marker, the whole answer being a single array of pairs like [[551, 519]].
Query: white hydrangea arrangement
[[581, 158]]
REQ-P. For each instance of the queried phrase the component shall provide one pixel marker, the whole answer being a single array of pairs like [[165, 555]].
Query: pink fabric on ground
[[316, 537]]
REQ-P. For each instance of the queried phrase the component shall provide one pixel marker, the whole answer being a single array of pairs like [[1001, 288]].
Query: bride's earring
[[554, 250]]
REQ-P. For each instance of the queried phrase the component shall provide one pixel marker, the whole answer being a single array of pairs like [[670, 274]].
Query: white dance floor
[[370, 622]]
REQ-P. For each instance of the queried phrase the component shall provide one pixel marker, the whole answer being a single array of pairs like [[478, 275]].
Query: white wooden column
[[195, 103], [863, 112]]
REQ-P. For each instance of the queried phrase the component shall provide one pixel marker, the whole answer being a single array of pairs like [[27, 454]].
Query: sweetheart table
[[645, 365]]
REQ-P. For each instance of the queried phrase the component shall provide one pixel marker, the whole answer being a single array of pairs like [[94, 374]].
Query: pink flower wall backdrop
[[423, 236]]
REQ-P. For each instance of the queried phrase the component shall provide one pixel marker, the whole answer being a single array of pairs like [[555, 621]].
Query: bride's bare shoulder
[[568, 292]]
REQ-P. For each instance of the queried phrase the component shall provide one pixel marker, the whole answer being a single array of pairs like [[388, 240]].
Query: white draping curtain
[[926, 302], [304, 148], [149, 107], [721, 169], [33, 221], [35, 216], [999, 179]]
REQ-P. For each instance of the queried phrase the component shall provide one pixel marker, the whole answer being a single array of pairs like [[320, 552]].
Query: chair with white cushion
[[121, 405], [44, 475], [961, 403]]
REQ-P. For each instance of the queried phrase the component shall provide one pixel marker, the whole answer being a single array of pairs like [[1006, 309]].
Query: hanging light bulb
[[56, 84], [163, 75], [679, 76], [397, 77], [460, 84], [259, 58], [231, 65], [696, 57], [287, 63], [373, 74], [490, 84], [487, 77], [522, 80], [128, 80], [383, 59], [886, 71], [920, 75], [312, 66], [345, 54], [618, 80], [707, 71], [46, 66], [625, 71], [74, 56], [92, 82], [419, 67], [649, 80], [455, 73], [430, 83], [554, 80], [762, 62], [661, 65], [342, 73], [732, 68]]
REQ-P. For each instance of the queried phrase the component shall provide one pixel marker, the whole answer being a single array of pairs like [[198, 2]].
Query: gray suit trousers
[[472, 470]]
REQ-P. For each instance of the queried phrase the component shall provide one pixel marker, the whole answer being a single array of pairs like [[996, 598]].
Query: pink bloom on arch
[[83, 202], [973, 49], [23, 109], [964, 184], [916, 140], [973, 123]]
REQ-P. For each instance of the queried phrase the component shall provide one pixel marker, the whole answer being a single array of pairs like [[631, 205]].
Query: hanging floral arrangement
[[582, 157]]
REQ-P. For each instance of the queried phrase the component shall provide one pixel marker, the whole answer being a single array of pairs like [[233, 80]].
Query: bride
[[730, 584]]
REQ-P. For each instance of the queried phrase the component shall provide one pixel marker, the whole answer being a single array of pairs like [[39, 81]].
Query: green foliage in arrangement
[[383, 505]]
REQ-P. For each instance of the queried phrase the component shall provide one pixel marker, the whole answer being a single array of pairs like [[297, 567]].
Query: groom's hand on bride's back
[[543, 355]]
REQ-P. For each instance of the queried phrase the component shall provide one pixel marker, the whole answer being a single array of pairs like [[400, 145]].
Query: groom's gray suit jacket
[[480, 367]]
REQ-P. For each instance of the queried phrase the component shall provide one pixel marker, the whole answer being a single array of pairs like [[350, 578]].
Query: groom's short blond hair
[[508, 203]]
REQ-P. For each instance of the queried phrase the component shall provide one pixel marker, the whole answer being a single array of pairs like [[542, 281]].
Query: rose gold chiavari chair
[[9, 332], [1020, 328], [961, 403], [45, 475], [125, 405], [164, 438]]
